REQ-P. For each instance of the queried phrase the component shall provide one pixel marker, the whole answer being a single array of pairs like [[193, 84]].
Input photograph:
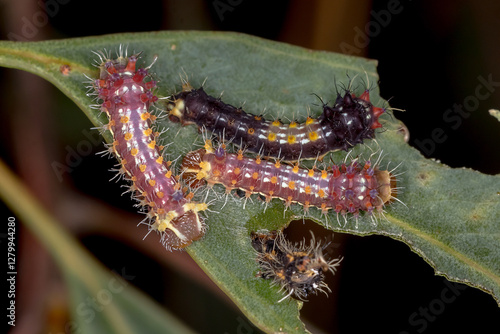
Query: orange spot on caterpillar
[[276, 123], [131, 65], [152, 182], [237, 171], [251, 131], [145, 116], [274, 180], [159, 160], [208, 146], [152, 144], [321, 193], [142, 168], [258, 118], [255, 175], [291, 139], [324, 209], [124, 119], [101, 83], [271, 136], [148, 132], [309, 120], [291, 185], [277, 164], [168, 174], [203, 165], [127, 136], [307, 190], [134, 151], [313, 135], [295, 168], [160, 194], [324, 174], [293, 124]]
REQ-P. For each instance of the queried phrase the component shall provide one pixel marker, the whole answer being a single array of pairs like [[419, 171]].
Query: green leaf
[[451, 217]]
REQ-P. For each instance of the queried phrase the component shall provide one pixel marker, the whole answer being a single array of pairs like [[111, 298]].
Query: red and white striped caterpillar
[[340, 127], [346, 188], [297, 268], [126, 95]]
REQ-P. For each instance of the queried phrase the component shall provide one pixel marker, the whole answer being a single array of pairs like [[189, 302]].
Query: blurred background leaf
[[103, 301]]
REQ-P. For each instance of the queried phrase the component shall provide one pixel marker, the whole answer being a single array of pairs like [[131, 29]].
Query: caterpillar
[[347, 123], [299, 269], [346, 188], [126, 95]]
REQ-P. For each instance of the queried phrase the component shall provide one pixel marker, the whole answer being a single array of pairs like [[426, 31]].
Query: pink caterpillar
[[126, 94], [346, 188]]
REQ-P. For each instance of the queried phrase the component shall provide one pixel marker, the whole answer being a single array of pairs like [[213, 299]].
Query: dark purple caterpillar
[[126, 94], [346, 188], [299, 269], [341, 126]]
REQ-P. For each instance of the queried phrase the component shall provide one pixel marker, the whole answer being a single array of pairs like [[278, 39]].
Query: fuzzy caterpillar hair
[[299, 269], [126, 94]]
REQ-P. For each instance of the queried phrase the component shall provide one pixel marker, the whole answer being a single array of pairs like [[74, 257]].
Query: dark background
[[430, 55]]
